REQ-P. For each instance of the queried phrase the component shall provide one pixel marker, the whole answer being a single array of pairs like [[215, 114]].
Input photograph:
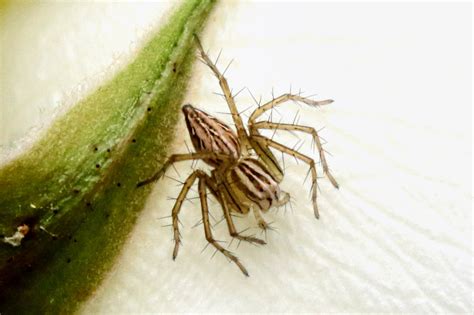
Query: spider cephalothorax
[[246, 174], [209, 134]]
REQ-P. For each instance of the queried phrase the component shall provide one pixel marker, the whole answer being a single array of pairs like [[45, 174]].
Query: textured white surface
[[397, 236]]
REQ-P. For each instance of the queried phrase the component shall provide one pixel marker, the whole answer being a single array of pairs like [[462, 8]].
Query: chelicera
[[245, 175]]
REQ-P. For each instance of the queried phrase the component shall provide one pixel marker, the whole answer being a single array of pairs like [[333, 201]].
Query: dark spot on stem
[[149, 109], [88, 204], [108, 150], [96, 149], [55, 211], [134, 140], [76, 191], [118, 184], [97, 166], [68, 260]]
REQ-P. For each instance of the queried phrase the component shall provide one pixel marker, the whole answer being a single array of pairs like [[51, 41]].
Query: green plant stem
[[76, 188]]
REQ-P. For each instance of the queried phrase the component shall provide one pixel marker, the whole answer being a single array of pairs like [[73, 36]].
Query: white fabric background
[[397, 236]]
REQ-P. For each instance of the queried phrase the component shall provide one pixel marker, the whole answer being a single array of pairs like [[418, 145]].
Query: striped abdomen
[[209, 134], [250, 183]]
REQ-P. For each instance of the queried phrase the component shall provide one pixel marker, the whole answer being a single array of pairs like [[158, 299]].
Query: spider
[[245, 175]]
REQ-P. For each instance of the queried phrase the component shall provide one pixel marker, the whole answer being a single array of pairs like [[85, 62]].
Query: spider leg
[[297, 155], [207, 226], [266, 156], [281, 99], [242, 134], [260, 220], [177, 207], [230, 224], [182, 157], [309, 130]]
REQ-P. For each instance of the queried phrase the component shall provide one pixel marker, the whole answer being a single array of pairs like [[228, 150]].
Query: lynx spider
[[239, 181]]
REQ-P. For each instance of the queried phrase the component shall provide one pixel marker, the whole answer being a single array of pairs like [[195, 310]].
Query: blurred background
[[396, 237]]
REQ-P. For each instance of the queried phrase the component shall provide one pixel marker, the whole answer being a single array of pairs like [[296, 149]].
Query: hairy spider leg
[[280, 100], [230, 223], [207, 227], [280, 147], [183, 157], [259, 218], [177, 207], [306, 129], [241, 132], [204, 179], [266, 156]]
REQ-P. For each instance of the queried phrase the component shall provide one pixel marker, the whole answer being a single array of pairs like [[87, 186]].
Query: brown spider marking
[[239, 181]]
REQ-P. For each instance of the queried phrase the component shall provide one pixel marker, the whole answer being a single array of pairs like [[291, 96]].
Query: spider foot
[[332, 180], [152, 179], [316, 210], [231, 256], [176, 248]]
